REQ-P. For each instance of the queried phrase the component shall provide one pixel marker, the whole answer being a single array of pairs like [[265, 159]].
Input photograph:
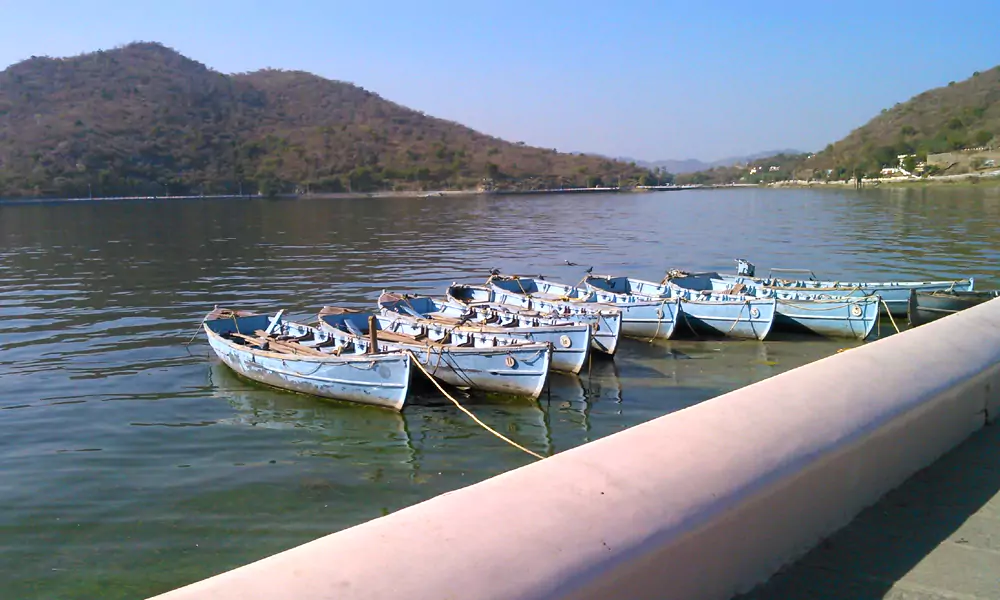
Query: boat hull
[[730, 316], [379, 380], [746, 319], [649, 320], [516, 369], [644, 318], [894, 295], [570, 343], [605, 322], [924, 307], [844, 318], [641, 317]]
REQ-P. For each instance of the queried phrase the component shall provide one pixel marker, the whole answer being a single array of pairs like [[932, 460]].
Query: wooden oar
[[293, 346], [288, 347]]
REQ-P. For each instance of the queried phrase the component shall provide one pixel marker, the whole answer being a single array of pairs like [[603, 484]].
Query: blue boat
[[303, 359], [489, 364], [606, 322], [732, 316], [796, 312], [894, 294], [925, 307], [641, 318], [442, 320]]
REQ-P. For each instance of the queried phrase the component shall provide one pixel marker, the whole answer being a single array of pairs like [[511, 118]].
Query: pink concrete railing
[[702, 503]]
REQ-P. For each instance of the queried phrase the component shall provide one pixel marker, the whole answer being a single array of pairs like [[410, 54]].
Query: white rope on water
[[469, 413]]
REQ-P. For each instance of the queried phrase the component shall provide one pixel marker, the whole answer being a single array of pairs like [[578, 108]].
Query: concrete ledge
[[702, 503]]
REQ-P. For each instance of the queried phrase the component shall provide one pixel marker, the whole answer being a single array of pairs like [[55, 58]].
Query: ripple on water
[[125, 451]]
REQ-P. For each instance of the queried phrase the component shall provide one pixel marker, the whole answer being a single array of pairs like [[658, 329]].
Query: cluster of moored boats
[[507, 335]]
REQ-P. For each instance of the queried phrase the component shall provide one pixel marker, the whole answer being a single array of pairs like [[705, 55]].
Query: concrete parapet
[[702, 503]]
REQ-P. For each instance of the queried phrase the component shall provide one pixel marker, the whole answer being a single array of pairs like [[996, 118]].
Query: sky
[[646, 80]]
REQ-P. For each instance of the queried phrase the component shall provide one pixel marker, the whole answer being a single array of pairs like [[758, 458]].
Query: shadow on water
[[936, 536], [133, 464]]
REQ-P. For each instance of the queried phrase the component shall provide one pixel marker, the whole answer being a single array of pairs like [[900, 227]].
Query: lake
[[131, 463]]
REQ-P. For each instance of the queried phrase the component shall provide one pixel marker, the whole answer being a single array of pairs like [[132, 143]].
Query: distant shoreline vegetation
[[143, 120], [349, 195], [951, 130]]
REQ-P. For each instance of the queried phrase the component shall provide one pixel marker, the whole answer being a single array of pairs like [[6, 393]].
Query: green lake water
[[131, 464]]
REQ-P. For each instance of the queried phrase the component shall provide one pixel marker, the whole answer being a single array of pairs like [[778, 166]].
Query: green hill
[[958, 116], [142, 119]]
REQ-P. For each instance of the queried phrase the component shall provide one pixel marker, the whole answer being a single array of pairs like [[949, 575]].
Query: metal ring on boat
[[754, 313], [564, 341], [855, 310], [659, 313], [510, 361]]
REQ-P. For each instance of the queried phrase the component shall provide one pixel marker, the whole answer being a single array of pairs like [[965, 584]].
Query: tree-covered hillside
[[142, 119]]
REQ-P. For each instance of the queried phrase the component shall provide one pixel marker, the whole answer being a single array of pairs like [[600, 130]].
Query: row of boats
[[506, 336]]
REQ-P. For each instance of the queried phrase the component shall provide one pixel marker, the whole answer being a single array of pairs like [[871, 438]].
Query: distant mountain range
[[692, 165], [145, 120]]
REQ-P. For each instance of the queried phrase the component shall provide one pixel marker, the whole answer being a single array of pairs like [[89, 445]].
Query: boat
[[710, 313], [606, 322], [486, 363], [641, 318], [300, 358], [894, 294], [847, 317], [448, 320], [924, 307]]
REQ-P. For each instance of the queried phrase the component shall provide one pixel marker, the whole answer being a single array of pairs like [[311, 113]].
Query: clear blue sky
[[649, 80]]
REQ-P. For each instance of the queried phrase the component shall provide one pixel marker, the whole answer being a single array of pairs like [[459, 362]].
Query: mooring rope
[[738, 315], [889, 312], [661, 314], [469, 413], [196, 332]]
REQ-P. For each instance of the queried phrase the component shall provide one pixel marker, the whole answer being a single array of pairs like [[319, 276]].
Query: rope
[[738, 315], [889, 312], [796, 304], [687, 322], [660, 315], [196, 332], [518, 281], [468, 412]]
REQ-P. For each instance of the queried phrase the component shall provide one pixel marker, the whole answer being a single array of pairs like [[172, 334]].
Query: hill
[[143, 119], [958, 116]]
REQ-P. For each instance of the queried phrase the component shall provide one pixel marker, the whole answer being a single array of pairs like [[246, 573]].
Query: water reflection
[[116, 432]]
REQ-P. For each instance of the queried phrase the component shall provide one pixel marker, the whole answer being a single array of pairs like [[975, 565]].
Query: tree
[[885, 156], [956, 140], [983, 137], [910, 163], [362, 179], [268, 184]]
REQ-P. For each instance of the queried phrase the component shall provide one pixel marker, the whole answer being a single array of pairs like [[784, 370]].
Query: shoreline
[[358, 195], [991, 178]]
